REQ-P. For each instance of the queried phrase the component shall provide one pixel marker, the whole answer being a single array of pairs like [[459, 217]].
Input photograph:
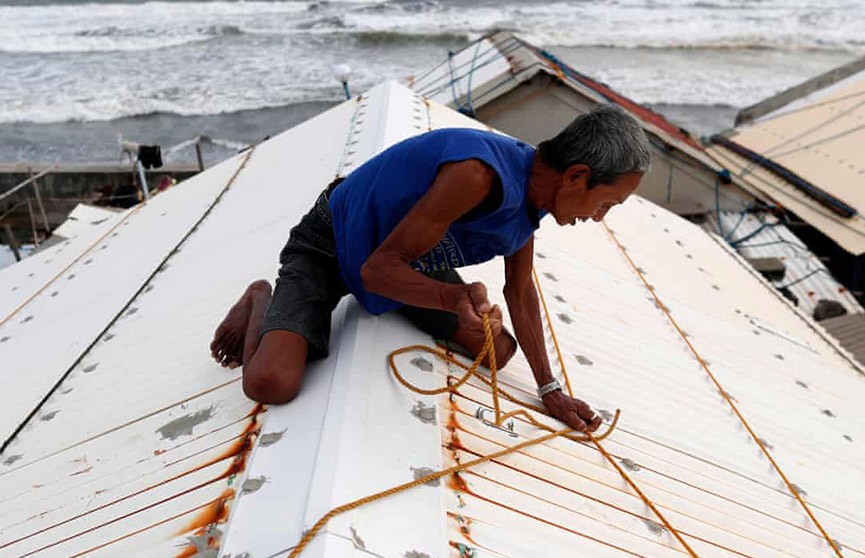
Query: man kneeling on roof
[[393, 231]]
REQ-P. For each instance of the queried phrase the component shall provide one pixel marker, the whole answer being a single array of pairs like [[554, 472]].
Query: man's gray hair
[[606, 139]]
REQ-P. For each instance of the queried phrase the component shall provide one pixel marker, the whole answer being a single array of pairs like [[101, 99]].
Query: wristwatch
[[549, 388]]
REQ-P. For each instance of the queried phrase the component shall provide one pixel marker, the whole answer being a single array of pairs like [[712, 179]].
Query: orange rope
[[724, 394], [553, 332], [488, 353], [307, 538], [597, 440], [73, 262]]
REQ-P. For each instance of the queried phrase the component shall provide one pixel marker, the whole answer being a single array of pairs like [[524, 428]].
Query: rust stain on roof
[[203, 525]]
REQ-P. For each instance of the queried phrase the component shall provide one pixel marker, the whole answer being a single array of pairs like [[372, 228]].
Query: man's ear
[[577, 177]]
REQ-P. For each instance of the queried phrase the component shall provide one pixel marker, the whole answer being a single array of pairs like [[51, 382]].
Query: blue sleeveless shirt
[[374, 198]]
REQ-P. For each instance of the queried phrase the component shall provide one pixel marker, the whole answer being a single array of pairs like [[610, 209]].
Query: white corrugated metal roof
[[818, 137], [765, 236], [147, 446], [22, 280], [82, 218], [793, 96]]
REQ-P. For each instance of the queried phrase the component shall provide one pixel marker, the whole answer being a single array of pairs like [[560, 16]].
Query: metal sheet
[[145, 447], [849, 330], [141, 448], [847, 233], [22, 281], [818, 137], [93, 291], [763, 236], [84, 217], [690, 453]]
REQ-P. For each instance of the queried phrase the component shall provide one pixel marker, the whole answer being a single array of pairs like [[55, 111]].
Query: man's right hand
[[573, 412], [470, 307]]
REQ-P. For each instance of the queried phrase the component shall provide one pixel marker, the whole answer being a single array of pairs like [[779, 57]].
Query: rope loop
[[487, 353]]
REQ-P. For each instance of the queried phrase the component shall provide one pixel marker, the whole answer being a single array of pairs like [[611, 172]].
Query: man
[[393, 231]]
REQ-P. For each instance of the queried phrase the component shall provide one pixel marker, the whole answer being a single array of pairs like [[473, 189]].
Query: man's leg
[[274, 372], [275, 334], [273, 365]]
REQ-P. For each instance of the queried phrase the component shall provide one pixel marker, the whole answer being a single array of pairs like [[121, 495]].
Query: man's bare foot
[[227, 345]]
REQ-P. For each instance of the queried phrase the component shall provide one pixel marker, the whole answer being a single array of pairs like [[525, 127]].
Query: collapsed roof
[[761, 237], [122, 437], [514, 86], [803, 149]]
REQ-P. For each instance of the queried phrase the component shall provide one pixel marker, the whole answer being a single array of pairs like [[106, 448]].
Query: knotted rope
[[487, 353]]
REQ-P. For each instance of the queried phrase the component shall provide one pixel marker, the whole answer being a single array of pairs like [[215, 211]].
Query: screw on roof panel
[[424, 413], [421, 472], [271, 438], [422, 363]]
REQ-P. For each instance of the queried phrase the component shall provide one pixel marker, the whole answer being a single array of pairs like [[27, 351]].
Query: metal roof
[[765, 236], [815, 139], [148, 448], [84, 217], [22, 280], [849, 330], [799, 91]]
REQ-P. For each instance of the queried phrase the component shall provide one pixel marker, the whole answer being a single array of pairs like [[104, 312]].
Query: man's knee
[[271, 385], [270, 382], [274, 373]]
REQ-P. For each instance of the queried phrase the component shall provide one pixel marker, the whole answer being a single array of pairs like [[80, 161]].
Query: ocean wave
[[702, 24], [106, 27], [111, 60], [388, 37], [851, 46], [133, 107]]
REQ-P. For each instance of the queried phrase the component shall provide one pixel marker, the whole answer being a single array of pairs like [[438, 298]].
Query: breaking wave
[[93, 61], [718, 24]]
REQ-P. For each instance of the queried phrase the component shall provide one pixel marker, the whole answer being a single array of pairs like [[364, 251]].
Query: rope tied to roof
[[705, 366], [487, 354]]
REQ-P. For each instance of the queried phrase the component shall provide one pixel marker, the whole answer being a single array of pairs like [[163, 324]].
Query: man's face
[[576, 202]]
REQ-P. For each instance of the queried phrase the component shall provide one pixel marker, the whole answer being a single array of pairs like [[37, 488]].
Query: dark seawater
[[75, 74]]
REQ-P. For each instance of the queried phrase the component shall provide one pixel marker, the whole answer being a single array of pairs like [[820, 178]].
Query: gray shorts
[[309, 285]]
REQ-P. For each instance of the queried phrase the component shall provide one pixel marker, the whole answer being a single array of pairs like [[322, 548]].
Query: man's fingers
[[478, 294], [496, 320], [574, 421], [586, 414], [582, 408]]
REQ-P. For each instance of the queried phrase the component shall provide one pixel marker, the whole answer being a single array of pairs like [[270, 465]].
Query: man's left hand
[[573, 412]]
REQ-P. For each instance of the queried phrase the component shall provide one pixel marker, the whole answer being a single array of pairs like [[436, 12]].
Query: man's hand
[[573, 412], [470, 307]]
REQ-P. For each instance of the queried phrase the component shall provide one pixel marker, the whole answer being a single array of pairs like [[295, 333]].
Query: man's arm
[[524, 307], [458, 188]]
